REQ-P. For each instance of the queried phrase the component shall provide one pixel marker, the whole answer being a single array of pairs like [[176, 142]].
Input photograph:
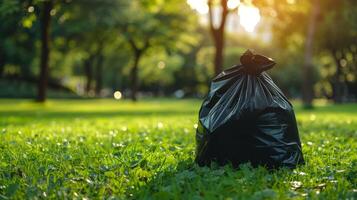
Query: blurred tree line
[[159, 47], [319, 38]]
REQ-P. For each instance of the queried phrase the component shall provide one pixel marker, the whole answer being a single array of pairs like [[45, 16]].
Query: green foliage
[[102, 33], [159, 69], [16, 33], [8, 7], [339, 43], [334, 42], [118, 149], [158, 23]]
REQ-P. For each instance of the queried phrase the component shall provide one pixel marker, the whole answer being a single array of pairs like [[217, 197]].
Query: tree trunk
[[218, 34], [99, 75], [2, 65], [134, 75], [2, 62], [218, 58], [138, 52], [89, 74], [337, 84], [307, 83], [45, 50]]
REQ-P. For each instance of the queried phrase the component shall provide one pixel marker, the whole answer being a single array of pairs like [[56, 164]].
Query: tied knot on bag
[[254, 64]]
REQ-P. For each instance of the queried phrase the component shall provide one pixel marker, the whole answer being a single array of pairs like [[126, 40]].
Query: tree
[[18, 38], [155, 23], [314, 28], [88, 70], [294, 26], [45, 49], [20, 32], [90, 25], [218, 32], [307, 84], [340, 42]]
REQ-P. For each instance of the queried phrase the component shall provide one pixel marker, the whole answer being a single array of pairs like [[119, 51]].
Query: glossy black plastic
[[246, 118]]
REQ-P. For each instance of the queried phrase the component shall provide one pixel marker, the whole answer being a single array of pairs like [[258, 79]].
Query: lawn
[[106, 149]]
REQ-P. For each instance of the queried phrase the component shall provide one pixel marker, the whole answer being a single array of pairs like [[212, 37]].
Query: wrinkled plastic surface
[[246, 118]]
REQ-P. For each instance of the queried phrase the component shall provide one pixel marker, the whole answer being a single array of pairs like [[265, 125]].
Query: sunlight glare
[[199, 5], [249, 16], [202, 7], [232, 4]]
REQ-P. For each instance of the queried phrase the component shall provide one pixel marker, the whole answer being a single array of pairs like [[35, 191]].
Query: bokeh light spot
[[117, 95], [249, 16], [30, 9], [161, 65]]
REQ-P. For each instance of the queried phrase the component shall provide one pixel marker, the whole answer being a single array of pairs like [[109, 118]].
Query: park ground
[[106, 149]]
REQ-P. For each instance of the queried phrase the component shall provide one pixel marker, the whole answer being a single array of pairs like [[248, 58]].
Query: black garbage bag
[[246, 118]]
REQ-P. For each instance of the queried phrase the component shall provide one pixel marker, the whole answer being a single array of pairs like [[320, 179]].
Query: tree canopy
[[162, 47]]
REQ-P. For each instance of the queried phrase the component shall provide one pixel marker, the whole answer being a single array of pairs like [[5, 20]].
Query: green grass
[[100, 149]]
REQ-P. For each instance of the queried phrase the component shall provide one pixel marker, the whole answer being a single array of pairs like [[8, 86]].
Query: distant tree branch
[[146, 43], [132, 44], [225, 12], [210, 14]]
